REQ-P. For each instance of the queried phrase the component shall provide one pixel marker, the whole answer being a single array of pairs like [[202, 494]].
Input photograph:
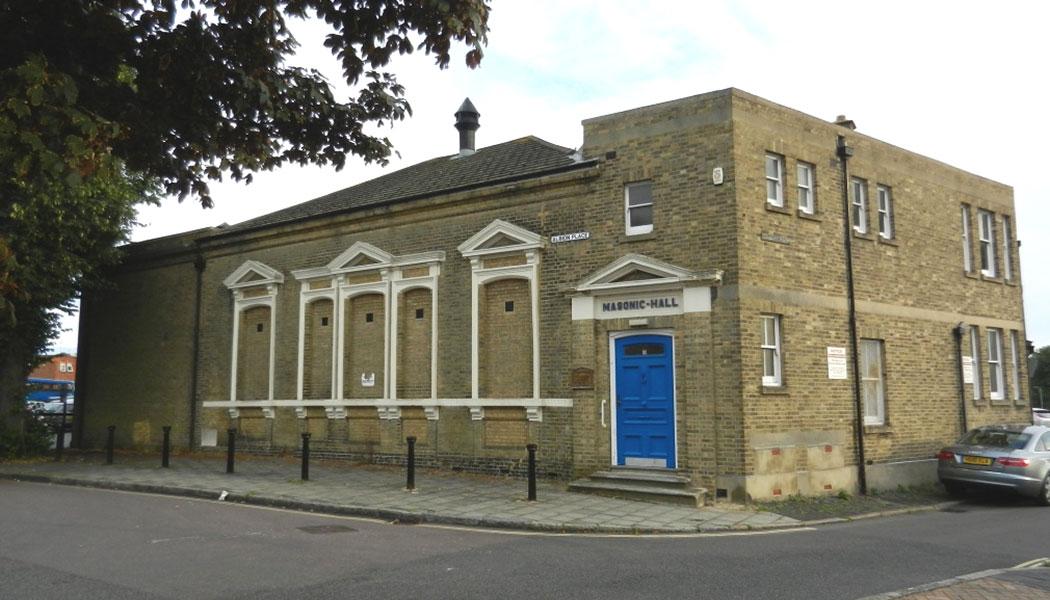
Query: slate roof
[[523, 158]]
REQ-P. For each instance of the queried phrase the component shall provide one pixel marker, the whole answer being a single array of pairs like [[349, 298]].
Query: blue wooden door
[[644, 401]]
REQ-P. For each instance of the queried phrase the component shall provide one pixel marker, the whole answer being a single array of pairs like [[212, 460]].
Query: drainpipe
[[198, 265], [957, 331], [844, 152]]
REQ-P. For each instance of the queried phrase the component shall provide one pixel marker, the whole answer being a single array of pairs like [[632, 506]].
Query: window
[[775, 179], [639, 199], [872, 382], [1008, 241], [1015, 365], [771, 363], [806, 188], [419, 313], [986, 235], [975, 360], [995, 363], [967, 247], [860, 205], [885, 212]]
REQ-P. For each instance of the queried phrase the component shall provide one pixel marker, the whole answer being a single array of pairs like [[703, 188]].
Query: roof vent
[[467, 124], [843, 121]]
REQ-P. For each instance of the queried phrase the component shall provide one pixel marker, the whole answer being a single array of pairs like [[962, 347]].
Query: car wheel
[[953, 488], [1044, 493]]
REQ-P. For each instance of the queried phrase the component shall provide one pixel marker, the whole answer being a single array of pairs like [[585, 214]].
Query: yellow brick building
[[694, 289]]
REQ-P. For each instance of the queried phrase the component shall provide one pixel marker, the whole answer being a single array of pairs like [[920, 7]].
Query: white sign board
[[837, 363], [967, 369]]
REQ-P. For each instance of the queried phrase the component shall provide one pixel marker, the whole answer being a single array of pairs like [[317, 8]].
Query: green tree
[[108, 103], [1039, 378]]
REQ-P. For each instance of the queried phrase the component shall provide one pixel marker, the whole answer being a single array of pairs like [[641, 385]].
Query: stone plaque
[[583, 379]]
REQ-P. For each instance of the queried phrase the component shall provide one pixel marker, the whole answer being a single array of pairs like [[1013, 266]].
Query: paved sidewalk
[[1031, 583], [372, 491]]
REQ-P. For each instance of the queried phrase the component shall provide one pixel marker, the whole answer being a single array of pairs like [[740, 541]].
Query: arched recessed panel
[[253, 354], [317, 349], [505, 339], [364, 330], [414, 331]]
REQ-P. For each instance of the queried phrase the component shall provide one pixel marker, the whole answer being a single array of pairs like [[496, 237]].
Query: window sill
[[778, 209], [636, 237], [971, 275], [774, 390], [993, 279], [1011, 282], [810, 216], [863, 236], [889, 241], [878, 429]]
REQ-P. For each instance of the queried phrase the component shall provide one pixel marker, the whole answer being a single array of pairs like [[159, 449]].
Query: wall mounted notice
[[967, 369], [837, 363]]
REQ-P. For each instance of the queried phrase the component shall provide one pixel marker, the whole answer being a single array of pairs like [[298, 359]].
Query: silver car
[[1007, 457]]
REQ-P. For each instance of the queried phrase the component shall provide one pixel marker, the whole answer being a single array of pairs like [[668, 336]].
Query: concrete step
[[654, 477], [642, 483]]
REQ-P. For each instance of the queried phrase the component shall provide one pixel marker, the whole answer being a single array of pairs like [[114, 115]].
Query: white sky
[[962, 82]]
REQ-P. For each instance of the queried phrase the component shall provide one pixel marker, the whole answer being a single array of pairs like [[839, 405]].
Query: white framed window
[[986, 235], [806, 188], [975, 360], [1015, 364], [885, 212], [860, 205], [638, 199], [995, 364], [771, 357], [775, 179], [967, 246], [872, 382], [1008, 242]]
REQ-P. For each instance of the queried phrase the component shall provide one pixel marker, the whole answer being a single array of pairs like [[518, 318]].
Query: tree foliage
[[194, 89], [1039, 378], [106, 104]]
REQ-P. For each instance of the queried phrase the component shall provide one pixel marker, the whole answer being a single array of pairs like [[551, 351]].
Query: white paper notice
[[837, 363]]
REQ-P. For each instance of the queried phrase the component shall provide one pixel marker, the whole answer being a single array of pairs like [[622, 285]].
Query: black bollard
[[230, 433], [411, 485], [167, 443], [306, 456], [60, 438], [109, 443], [532, 471]]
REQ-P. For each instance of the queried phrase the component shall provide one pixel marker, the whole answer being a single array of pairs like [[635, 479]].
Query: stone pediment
[[639, 271], [500, 237], [360, 256], [251, 274]]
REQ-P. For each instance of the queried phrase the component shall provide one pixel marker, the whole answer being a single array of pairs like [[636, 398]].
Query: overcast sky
[[961, 82]]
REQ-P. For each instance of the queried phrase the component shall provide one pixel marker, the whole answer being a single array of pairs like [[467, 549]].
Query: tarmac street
[[61, 541]]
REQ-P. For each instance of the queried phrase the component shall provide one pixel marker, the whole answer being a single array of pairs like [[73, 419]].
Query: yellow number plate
[[977, 460]]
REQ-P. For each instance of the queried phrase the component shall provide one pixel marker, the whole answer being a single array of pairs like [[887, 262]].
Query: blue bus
[[49, 390]]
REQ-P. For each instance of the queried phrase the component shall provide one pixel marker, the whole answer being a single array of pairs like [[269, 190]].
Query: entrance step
[[651, 484]]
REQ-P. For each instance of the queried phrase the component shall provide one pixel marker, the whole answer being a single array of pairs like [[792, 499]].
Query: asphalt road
[[64, 542]]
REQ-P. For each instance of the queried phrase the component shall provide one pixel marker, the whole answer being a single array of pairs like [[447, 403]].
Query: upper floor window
[[885, 212], [806, 189], [775, 179], [986, 235], [639, 202], [771, 358], [967, 246], [995, 363], [873, 382], [860, 205], [1008, 242]]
